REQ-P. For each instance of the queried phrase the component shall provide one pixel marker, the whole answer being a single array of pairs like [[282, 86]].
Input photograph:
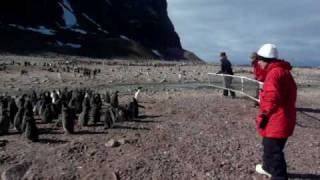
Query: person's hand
[[264, 121]]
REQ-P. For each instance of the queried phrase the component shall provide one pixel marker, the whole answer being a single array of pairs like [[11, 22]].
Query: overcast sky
[[240, 27]]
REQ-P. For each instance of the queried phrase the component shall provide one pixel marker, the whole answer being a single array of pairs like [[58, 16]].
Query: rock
[[122, 141], [16, 172], [113, 143], [163, 80], [3, 143]]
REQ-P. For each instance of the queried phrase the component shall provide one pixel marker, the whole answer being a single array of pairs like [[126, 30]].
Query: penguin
[[136, 94], [84, 115], [31, 131], [27, 113], [94, 113], [4, 122], [112, 112], [131, 109], [135, 107], [114, 100], [68, 119], [107, 97], [107, 119], [13, 109], [18, 119], [47, 115]]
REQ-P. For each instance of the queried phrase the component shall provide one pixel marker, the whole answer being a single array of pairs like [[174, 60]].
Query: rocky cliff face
[[100, 28]]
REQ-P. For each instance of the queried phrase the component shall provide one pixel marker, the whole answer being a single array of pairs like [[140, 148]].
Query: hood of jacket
[[279, 63]]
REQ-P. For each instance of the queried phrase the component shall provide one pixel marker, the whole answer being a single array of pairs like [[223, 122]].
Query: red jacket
[[259, 74], [277, 101]]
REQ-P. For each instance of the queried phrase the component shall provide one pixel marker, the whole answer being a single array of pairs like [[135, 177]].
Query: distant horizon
[[249, 64], [243, 63], [207, 27]]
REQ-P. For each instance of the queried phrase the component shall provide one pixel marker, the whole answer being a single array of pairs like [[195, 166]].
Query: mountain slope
[[99, 28]]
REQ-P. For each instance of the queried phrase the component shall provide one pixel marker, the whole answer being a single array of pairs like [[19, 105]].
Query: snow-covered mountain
[[100, 28]]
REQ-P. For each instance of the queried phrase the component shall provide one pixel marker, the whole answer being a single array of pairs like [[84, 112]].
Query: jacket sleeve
[[271, 93], [222, 67]]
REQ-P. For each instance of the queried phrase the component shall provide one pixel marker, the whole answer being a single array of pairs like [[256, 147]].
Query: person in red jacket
[[259, 74], [277, 115]]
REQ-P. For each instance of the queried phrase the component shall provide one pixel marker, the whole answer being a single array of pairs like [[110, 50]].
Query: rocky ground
[[185, 132]]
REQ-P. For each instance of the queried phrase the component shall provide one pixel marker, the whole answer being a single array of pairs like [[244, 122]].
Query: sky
[[240, 27]]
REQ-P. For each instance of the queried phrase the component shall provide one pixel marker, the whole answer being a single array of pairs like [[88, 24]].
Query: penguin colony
[[65, 108]]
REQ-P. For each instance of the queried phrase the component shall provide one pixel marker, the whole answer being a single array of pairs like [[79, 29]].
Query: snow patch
[[76, 46], [156, 52], [79, 31], [91, 20], [124, 37], [12, 25], [108, 2], [59, 43], [42, 30], [95, 23], [67, 5], [102, 30], [72, 45], [68, 15], [39, 29]]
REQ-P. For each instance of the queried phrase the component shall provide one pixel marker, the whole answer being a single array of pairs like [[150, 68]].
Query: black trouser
[[227, 80], [273, 158]]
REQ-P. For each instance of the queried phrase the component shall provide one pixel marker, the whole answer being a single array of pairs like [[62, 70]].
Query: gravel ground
[[182, 134]]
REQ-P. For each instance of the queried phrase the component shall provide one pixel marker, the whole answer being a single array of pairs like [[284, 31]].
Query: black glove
[[264, 121]]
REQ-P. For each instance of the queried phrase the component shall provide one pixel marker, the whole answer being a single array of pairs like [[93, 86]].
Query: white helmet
[[269, 51]]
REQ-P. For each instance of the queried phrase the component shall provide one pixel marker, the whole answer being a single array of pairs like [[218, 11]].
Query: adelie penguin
[[94, 113], [114, 100], [13, 109], [19, 118], [84, 115], [107, 97], [4, 122], [68, 119], [107, 119], [31, 130], [46, 115], [27, 113], [133, 108]]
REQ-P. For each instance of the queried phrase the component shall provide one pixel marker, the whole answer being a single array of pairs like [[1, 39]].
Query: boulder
[[16, 172]]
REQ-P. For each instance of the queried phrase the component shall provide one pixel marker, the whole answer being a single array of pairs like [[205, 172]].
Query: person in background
[[259, 74], [226, 68], [277, 116]]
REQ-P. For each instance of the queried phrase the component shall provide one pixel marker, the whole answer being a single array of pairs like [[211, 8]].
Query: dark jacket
[[278, 101], [226, 66]]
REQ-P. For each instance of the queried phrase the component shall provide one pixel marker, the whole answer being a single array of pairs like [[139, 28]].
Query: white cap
[[268, 51]]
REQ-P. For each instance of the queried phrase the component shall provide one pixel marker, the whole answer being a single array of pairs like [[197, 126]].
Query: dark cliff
[[97, 28]]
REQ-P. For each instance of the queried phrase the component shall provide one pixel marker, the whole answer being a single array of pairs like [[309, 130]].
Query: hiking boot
[[260, 170]]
